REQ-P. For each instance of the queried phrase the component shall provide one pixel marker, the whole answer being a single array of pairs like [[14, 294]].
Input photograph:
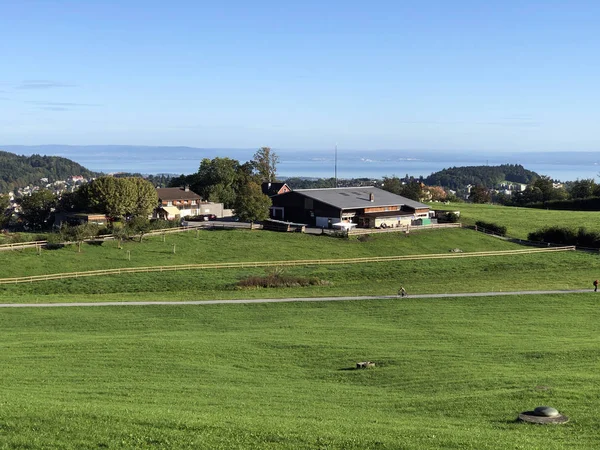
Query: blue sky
[[437, 75]]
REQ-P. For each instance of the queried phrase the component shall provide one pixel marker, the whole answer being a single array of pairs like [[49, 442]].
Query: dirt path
[[287, 300]]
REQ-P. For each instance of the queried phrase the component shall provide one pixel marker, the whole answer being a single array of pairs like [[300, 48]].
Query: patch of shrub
[[451, 217], [577, 204], [159, 224], [566, 236], [364, 238], [494, 228], [277, 278]]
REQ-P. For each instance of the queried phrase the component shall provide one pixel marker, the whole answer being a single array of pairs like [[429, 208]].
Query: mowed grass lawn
[[450, 374], [522, 221], [567, 270]]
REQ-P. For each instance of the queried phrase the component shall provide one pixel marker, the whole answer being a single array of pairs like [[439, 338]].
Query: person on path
[[595, 285], [402, 292]]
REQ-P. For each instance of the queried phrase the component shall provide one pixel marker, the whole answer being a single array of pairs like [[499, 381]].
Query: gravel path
[[287, 300]]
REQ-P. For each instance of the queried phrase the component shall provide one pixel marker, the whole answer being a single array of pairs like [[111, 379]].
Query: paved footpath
[[287, 300]]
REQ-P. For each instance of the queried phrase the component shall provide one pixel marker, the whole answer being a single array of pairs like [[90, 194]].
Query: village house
[[180, 202], [272, 189], [366, 207]]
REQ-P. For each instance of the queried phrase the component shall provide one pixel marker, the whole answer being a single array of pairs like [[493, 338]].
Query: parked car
[[201, 217]]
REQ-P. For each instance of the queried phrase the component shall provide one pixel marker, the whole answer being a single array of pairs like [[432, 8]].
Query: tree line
[[457, 178]]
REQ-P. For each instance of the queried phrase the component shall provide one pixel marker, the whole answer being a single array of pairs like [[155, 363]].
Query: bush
[[159, 224], [452, 217], [277, 278], [364, 238], [566, 236], [578, 204], [492, 227]]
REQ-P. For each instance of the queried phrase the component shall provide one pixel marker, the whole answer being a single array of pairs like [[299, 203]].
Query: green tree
[[116, 197], [546, 187], [138, 225], [251, 204], [78, 233], [146, 197], [392, 184], [412, 190], [5, 213], [120, 233], [265, 163], [479, 194], [217, 180], [583, 188], [37, 209]]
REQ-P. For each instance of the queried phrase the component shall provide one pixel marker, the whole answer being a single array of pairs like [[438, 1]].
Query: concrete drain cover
[[543, 415]]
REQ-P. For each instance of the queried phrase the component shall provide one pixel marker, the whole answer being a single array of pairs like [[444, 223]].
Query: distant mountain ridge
[[17, 171]]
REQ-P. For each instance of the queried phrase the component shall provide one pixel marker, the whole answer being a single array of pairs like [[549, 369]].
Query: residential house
[[367, 207], [272, 189], [179, 202]]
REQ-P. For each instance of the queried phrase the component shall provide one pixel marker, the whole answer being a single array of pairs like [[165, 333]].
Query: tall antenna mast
[[335, 166]]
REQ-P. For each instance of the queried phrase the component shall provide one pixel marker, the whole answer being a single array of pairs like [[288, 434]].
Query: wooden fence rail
[[401, 229], [251, 264]]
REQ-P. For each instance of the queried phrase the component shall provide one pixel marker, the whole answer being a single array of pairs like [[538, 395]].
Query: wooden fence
[[250, 264], [403, 229]]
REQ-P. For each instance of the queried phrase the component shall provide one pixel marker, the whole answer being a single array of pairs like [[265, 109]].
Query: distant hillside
[[19, 171], [488, 176]]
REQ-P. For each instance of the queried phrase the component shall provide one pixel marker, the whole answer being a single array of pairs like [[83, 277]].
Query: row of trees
[[457, 178], [118, 198], [540, 191]]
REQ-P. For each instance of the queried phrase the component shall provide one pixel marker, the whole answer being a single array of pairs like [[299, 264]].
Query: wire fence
[[528, 242], [284, 263]]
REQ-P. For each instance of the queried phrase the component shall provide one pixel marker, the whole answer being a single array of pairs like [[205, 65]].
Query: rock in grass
[[365, 365]]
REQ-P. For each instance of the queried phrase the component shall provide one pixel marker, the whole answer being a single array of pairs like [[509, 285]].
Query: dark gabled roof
[[358, 197], [271, 189], [176, 194]]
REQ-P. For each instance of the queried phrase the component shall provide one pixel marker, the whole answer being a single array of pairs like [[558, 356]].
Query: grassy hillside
[[498, 273], [450, 374], [206, 246], [521, 221]]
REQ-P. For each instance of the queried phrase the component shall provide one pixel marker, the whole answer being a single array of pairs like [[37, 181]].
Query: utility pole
[[335, 166]]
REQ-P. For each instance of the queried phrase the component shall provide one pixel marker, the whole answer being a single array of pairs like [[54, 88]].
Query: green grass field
[[500, 273], [521, 221], [450, 374]]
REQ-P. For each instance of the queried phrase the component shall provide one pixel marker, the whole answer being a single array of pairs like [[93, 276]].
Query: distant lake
[[563, 166], [370, 169]]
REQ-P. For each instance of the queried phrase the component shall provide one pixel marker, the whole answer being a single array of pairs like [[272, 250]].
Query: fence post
[[173, 248]]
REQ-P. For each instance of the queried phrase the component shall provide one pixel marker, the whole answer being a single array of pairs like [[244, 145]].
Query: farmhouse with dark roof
[[367, 207]]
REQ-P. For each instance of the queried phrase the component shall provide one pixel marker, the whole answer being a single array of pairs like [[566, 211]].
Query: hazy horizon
[[176, 160]]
